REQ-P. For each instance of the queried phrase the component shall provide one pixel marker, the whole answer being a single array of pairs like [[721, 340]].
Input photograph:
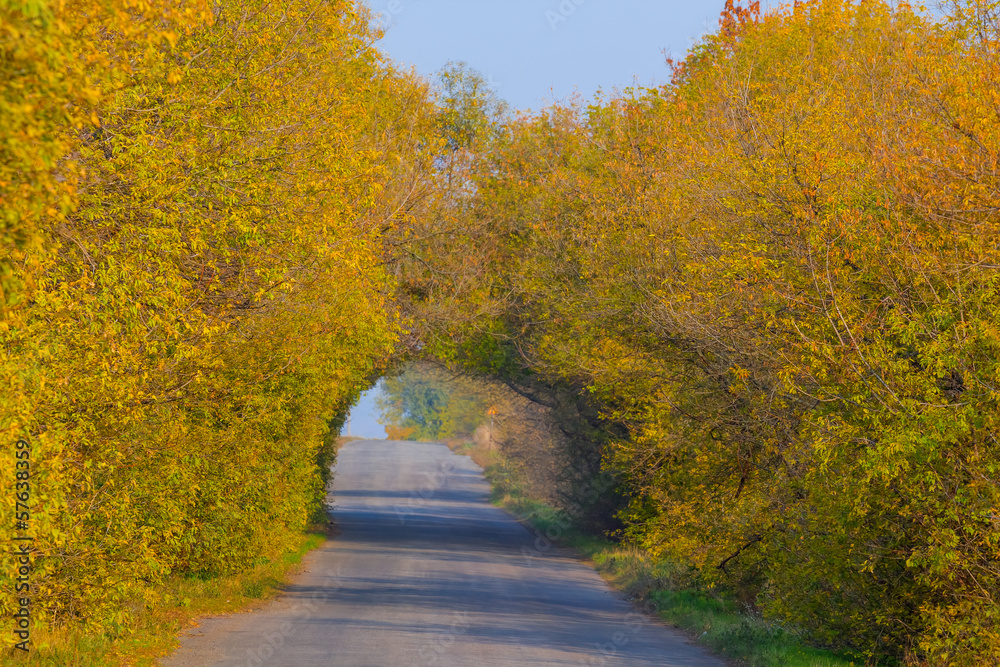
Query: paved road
[[426, 572]]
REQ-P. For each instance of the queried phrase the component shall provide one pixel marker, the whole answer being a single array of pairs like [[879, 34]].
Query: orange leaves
[[735, 17]]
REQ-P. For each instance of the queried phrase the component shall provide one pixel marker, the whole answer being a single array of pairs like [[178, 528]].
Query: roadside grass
[[155, 629], [711, 620]]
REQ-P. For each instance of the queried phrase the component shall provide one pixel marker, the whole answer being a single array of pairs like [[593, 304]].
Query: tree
[[431, 403], [471, 114], [210, 296], [773, 283]]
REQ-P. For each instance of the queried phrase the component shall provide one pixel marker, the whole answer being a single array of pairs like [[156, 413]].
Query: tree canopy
[[775, 280], [756, 307], [194, 201]]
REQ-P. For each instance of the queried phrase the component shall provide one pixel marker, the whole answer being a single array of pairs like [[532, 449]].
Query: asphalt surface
[[426, 572]]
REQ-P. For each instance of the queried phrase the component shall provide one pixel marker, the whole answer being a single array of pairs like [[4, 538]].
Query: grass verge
[[156, 628], [713, 621]]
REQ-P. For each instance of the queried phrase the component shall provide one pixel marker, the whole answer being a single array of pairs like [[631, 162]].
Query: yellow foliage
[[778, 277], [194, 197]]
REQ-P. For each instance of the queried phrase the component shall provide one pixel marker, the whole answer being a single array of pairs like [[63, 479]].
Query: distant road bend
[[426, 572]]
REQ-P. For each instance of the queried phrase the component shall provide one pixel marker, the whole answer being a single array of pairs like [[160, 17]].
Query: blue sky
[[536, 51], [364, 417]]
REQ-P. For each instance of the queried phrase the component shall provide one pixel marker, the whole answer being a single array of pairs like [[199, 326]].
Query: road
[[426, 572]]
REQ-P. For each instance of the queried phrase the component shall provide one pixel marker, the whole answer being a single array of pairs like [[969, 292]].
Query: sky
[[534, 52], [364, 417]]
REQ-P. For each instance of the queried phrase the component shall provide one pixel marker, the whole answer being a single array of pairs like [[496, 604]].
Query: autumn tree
[[773, 283], [202, 295]]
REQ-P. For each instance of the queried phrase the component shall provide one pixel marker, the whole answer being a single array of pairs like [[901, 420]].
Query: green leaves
[[470, 114], [428, 403]]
